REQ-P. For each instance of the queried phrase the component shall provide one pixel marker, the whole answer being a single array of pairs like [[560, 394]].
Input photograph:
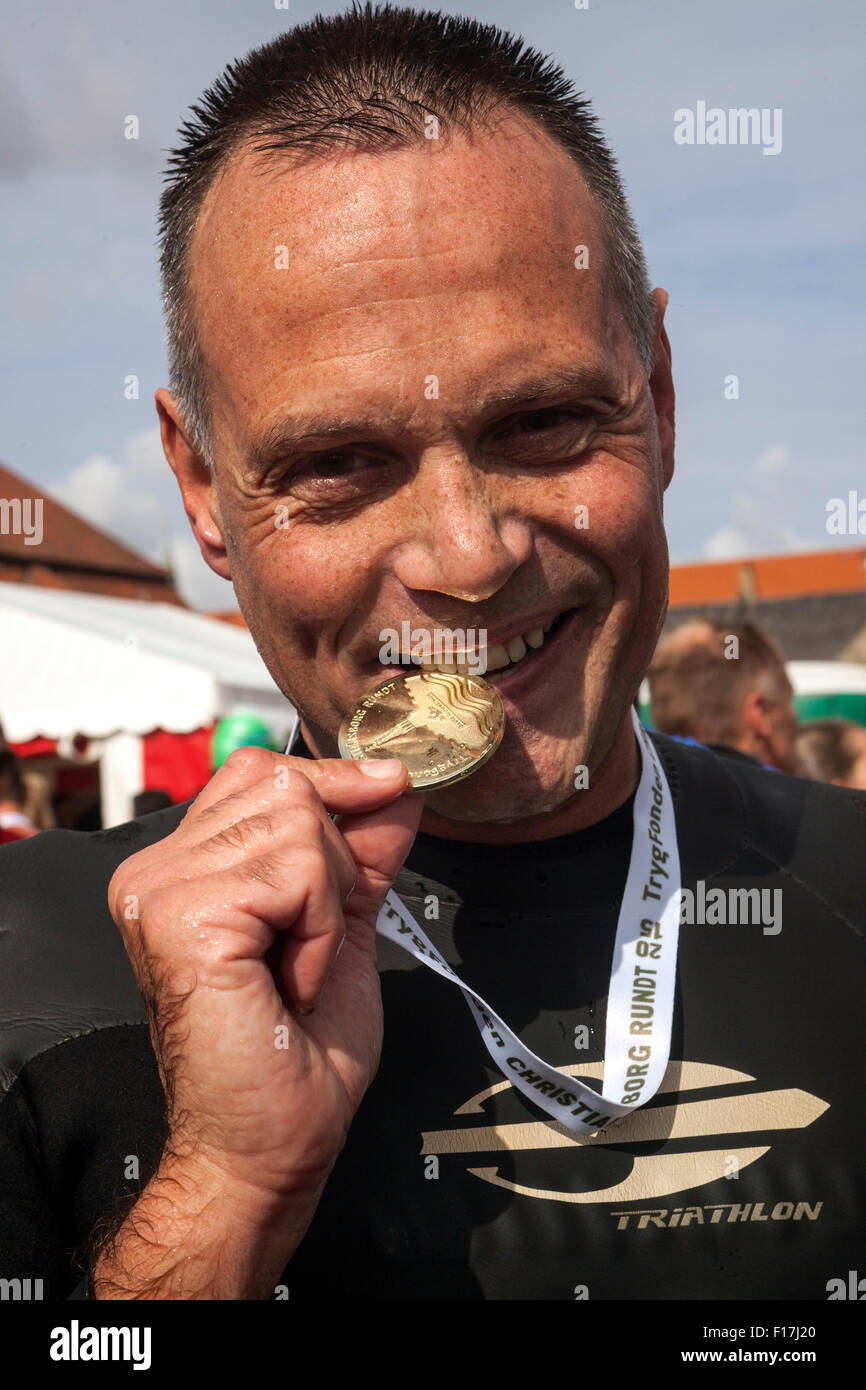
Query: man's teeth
[[495, 657]]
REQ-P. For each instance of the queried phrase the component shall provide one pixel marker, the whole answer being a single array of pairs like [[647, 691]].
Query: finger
[[343, 786], [379, 842], [243, 830], [237, 917], [347, 787], [243, 768], [303, 957]]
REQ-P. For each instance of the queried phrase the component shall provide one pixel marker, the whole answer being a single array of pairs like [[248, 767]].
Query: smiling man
[[426, 397], [418, 377]]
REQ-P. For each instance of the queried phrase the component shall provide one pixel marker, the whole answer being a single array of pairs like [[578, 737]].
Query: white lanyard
[[641, 995]]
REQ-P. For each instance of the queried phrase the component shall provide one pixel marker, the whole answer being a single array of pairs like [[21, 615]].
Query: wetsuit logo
[[652, 1174]]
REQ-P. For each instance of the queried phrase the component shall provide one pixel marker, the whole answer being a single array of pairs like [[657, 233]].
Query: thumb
[[379, 842]]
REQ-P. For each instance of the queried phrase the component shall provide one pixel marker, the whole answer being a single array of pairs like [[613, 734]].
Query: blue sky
[[762, 255]]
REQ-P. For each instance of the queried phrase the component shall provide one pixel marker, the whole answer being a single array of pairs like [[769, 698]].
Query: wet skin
[[407, 420]]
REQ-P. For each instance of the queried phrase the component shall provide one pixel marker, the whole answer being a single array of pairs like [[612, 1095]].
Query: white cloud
[[110, 495], [774, 461], [751, 534], [136, 499], [728, 543], [762, 519]]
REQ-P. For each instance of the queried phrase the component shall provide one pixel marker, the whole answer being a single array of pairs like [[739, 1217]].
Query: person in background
[[146, 802], [37, 799], [37, 793], [725, 685], [15, 824], [832, 750]]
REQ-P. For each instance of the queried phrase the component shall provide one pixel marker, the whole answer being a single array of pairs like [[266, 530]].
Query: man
[[726, 686], [400, 394], [833, 750]]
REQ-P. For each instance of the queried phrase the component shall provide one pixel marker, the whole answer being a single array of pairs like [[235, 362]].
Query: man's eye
[[339, 478], [549, 419], [549, 432], [538, 421], [336, 464]]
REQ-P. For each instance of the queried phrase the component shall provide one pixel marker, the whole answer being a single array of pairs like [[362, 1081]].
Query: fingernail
[[383, 768]]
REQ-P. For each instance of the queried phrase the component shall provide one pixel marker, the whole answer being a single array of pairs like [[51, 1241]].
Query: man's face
[[856, 775], [425, 413], [782, 726]]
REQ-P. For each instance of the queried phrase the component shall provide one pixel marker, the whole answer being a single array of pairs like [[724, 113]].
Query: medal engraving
[[443, 726]]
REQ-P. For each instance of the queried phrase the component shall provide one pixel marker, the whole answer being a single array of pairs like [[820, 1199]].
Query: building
[[45, 544], [814, 603], [110, 683]]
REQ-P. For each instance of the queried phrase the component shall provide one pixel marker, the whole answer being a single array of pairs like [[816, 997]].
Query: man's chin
[[454, 805], [514, 785]]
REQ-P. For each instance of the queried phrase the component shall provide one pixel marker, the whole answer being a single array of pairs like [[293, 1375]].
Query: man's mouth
[[496, 658]]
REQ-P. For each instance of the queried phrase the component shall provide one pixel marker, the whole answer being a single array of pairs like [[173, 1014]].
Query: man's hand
[[251, 930]]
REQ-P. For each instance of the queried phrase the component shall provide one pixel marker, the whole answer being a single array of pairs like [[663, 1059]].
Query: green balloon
[[240, 730]]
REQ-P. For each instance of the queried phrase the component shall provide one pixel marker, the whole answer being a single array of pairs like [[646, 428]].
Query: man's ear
[[755, 716], [662, 387], [197, 487]]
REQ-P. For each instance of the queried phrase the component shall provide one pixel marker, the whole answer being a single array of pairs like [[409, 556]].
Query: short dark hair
[[367, 79], [697, 690]]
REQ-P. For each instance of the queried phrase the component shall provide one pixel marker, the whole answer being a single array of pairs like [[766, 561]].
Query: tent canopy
[[80, 663], [834, 688], [827, 677]]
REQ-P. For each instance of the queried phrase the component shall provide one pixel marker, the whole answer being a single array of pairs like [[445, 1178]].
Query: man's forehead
[[492, 176], [427, 201], [317, 264]]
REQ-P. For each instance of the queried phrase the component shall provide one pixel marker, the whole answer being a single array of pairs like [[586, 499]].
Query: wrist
[[255, 1196], [198, 1231]]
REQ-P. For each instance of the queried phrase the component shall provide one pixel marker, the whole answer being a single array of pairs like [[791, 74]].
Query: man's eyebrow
[[292, 432], [582, 379], [286, 434]]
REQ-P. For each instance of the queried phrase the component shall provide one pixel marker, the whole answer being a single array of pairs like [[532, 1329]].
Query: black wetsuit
[[744, 1177]]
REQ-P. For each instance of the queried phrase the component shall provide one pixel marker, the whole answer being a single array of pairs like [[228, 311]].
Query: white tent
[[827, 677], [114, 669]]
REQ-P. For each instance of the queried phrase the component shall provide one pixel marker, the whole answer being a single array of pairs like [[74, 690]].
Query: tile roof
[[73, 554], [769, 577]]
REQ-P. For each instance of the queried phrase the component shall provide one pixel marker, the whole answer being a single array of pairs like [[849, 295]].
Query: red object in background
[[9, 835], [179, 764], [74, 777], [35, 747]]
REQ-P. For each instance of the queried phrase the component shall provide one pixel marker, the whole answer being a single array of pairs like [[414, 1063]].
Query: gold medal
[[442, 726]]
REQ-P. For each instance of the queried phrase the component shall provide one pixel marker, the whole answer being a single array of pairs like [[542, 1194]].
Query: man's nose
[[459, 541]]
